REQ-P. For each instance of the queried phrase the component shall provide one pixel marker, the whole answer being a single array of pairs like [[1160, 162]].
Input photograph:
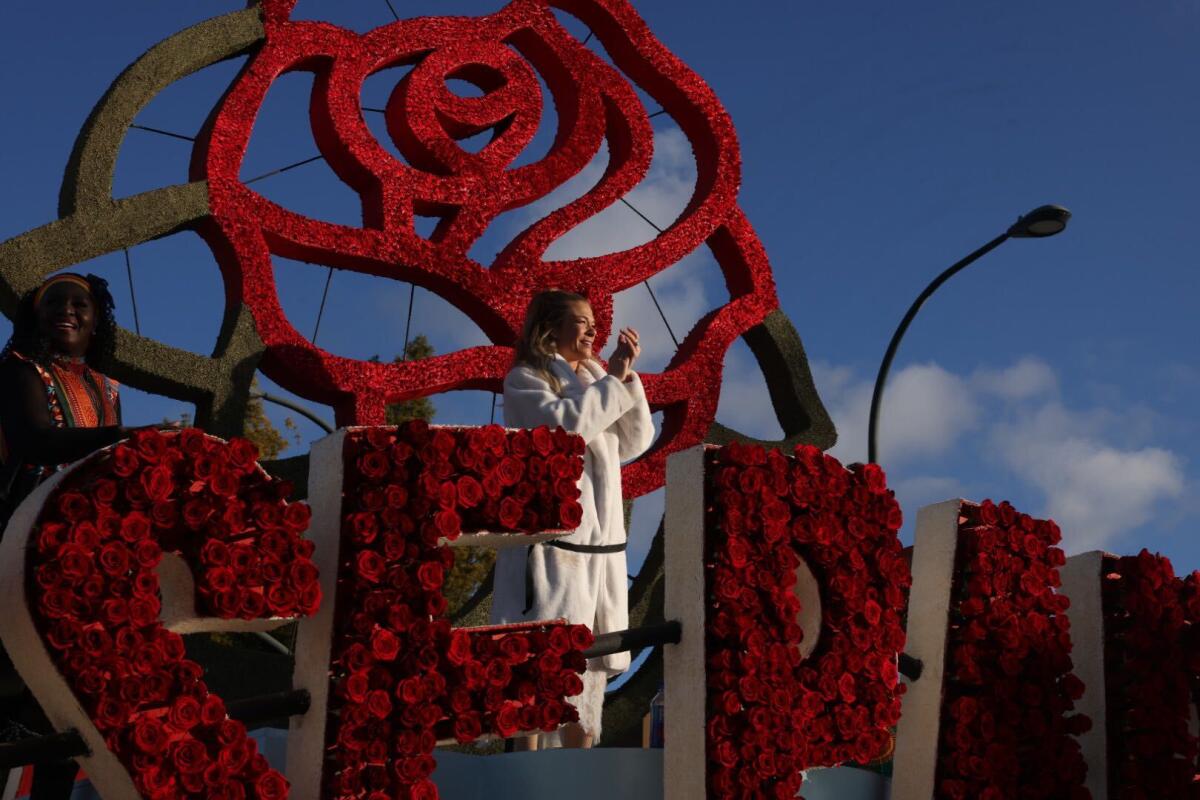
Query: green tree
[[266, 437], [418, 407]]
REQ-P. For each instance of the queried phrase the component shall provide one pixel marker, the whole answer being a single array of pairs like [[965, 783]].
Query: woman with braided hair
[[55, 408]]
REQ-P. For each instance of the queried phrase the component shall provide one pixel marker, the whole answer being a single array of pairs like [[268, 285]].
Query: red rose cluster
[[772, 713], [1005, 728], [401, 678], [1151, 665], [95, 599]]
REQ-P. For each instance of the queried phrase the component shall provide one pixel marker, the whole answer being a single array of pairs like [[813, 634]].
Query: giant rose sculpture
[[502, 54]]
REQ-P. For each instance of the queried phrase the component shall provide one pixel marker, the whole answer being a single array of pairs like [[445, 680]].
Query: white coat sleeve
[[635, 429], [529, 401]]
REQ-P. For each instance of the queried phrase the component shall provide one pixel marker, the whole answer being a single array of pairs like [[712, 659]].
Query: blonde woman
[[556, 380]]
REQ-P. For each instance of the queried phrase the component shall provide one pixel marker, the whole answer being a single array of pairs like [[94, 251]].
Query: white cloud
[[1028, 378], [925, 409], [745, 404], [1094, 490], [1096, 474]]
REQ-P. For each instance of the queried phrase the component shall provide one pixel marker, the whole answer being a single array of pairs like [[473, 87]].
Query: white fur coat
[[589, 588]]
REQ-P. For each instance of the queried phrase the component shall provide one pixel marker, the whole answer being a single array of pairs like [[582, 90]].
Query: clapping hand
[[628, 350]]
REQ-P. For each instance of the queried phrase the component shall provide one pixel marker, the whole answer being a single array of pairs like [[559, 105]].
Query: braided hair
[[27, 340]]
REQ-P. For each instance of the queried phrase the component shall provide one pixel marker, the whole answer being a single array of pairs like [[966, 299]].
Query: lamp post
[[1039, 223]]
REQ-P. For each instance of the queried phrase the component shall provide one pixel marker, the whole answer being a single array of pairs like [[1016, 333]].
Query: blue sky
[[880, 143]]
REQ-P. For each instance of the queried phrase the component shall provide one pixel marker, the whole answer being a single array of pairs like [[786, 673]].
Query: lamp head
[[1043, 221]]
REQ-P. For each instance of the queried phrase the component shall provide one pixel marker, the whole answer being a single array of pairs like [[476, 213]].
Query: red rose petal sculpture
[[502, 54], [100, 644]]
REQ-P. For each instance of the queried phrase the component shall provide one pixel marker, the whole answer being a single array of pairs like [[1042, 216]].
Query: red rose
[[192, 441], [114, 558], [296, 517], [467, 728], [431, 576], [125, 460], [443, 442], [373, 465], [511, 512], [165, 514], [364, 526], [369, 566], [508, 717], [542, 440], [423, 789], [379, 704], [224, 483], [510, 471], [196, 512], [149, 735], [385, 645], [281, 599], [470, 492], [214, 553], [220, 579], [185, 713], [74, 506], [449, 524], [74, 561], [242, 453], [157, 483], [519, 443], [105, 491], [309, 600], [459, 651], [271, 786], [581, 637]]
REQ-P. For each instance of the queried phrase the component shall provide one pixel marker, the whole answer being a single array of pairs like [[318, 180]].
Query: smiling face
[[66, 317], [576, 333]]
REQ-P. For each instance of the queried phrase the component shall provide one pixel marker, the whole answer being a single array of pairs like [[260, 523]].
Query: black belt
[[574, 548]]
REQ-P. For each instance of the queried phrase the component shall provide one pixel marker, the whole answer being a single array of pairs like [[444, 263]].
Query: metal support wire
[[394, 14], [161, 132], [493, 418], [321, 310], [283, 169], [650, 222], [412, 291], [137, 325]]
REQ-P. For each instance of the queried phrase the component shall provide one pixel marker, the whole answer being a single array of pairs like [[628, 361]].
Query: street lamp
[[1043, 221]]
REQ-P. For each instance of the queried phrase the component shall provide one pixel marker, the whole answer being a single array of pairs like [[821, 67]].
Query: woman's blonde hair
[[537, 347]]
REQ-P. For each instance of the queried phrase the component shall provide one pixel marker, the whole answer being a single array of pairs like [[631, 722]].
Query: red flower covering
[[770, 712], [1151, 670], [401, 679], [1005, 729], [504, 54], [95, 598]]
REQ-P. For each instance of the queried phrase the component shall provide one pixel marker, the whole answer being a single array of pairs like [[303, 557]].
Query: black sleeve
[[29, 431]]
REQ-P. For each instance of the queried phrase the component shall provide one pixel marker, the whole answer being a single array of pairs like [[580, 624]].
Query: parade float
[[802, 648]]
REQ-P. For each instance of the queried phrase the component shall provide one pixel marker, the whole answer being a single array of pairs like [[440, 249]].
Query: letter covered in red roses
[[751, 699], [388, 674], [108, 561]]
